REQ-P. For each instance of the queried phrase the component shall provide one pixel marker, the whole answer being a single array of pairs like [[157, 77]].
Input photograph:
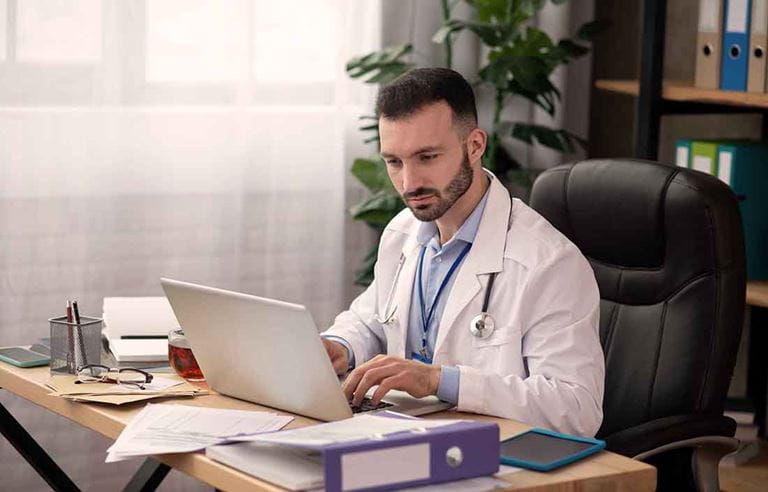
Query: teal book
[[704, 156], [683, 152], [744, 167]]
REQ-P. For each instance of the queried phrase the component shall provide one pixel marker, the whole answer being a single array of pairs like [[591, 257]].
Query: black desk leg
[[148, 477], [33, 453]]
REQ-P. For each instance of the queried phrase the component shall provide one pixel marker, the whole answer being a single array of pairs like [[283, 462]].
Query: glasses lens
[[130, 376], [91, 373]]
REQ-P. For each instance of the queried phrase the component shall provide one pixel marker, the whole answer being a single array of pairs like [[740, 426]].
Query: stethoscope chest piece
[[482, 325]]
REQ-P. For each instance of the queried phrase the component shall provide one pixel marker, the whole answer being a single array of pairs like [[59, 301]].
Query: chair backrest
[[667, 248]]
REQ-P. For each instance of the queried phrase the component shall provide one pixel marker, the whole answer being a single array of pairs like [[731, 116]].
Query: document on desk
[[67, 385], [348, 430], [168, 386], [160, 429]]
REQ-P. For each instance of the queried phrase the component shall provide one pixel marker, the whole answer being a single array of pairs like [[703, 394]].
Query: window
[[58, 32]]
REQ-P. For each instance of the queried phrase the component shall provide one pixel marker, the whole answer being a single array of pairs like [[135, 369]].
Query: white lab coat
[[543, 364]]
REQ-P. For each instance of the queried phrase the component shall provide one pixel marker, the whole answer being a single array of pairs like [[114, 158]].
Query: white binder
[[758, 42], [709, 44]]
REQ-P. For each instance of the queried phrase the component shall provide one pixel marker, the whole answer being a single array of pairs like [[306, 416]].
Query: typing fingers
[[354, 377], [372, 377], [385, 386]]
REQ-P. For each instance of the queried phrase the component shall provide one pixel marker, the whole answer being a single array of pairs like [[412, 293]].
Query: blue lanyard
[[426, 320]]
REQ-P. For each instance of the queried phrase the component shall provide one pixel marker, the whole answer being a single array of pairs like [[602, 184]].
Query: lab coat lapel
[[486, 256], [405, 287]]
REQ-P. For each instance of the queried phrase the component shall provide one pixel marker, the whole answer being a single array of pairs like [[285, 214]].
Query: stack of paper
[[136, 326], [165, 386], [160, 429], [359, 428]]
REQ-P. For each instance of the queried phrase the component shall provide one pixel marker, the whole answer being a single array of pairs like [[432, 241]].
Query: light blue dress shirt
[[437, 262]]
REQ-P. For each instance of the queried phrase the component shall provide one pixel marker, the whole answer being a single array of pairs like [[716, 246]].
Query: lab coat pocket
[[500, 336], [493, 353]]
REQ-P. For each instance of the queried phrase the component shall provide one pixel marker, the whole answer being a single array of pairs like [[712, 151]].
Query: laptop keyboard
[[366, 406]]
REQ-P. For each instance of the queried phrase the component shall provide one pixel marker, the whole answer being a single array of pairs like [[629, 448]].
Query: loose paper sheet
[[354, 429], [160, 429]]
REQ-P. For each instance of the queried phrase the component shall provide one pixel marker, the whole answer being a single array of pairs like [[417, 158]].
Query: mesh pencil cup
[[74, 345]]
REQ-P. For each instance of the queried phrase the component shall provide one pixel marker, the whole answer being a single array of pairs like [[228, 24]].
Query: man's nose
[[411, 178]]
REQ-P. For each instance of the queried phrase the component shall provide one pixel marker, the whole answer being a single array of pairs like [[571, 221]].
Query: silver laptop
[[268, 352]]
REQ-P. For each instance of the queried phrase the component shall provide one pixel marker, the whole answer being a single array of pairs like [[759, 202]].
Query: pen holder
[[74, 344]]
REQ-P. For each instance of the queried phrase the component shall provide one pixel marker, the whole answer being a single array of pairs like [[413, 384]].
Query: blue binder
[[735, 56], [744, 167]]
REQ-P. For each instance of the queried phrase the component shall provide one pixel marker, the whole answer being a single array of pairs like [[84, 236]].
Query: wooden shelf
[[757, 293], [684, 91]]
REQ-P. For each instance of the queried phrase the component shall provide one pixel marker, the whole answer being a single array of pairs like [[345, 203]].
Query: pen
[[70, 340], [76, 311], [79, 334]]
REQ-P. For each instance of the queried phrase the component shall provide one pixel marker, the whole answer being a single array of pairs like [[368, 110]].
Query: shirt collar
[[467, 232]]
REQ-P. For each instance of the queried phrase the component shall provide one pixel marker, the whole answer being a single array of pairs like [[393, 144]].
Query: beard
[[444, 199]]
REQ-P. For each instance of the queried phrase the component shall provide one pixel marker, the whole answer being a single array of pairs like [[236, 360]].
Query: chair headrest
[[646, 227]]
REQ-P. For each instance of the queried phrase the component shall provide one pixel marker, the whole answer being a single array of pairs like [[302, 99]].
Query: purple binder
[[440, 454]]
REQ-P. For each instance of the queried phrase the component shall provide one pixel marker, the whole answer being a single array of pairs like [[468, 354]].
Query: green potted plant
[[519, 63]]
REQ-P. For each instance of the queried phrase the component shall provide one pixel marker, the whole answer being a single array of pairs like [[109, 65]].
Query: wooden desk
[[605, 471]]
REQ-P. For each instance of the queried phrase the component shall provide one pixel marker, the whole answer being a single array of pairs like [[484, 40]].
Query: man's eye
[[428, 157], [392, 162]]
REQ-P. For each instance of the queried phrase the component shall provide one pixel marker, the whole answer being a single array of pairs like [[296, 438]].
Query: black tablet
[[544, 450]]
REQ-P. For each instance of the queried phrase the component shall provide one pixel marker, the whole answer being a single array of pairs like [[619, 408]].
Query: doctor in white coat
[[536, 355]]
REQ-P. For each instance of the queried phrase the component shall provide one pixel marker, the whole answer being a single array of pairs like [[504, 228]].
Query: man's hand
[[390, 373], [338, 355]]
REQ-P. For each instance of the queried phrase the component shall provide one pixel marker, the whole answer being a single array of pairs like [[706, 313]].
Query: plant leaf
[[567, 50], [523, 177], [378, 209], [590, 30], [544, 100], [451, 26], [491, 34], [382, 66], [364, 274], [557, 139], [491, 10], [366, 128], [370, 173]]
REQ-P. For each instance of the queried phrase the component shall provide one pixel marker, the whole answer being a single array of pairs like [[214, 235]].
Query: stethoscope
[[481, 326]]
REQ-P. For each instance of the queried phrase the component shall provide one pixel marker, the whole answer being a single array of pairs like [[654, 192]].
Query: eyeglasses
[[96, 373]]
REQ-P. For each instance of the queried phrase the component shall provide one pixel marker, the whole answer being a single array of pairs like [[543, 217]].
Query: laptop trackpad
[[405, 403]]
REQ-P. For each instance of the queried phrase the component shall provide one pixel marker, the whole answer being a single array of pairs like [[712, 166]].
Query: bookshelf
[[686, 92], [656, 97]]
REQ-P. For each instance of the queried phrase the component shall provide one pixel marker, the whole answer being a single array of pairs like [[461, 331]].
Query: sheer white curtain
[[201, 140]]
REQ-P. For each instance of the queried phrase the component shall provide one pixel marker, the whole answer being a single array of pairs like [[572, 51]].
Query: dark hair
[[421, 86]]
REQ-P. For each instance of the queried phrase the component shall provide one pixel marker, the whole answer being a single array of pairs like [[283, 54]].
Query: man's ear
[[476, 143]]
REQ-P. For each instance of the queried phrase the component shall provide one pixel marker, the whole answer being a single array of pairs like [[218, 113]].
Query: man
[[536, 357]]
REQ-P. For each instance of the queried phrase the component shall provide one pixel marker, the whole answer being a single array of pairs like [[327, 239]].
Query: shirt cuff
[[448, 387], [350, 353]]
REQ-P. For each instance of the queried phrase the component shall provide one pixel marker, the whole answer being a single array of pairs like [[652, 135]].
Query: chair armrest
[[719, 444], [654, 434]]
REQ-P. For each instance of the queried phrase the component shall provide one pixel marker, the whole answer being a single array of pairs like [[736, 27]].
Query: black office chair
[[667, 248]]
